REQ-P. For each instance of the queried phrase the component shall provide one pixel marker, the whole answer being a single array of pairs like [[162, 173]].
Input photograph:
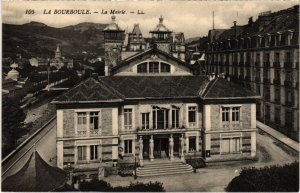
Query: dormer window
[[164, 67], [153, 67]]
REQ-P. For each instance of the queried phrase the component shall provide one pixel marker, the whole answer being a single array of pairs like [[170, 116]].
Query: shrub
[[95, 185], [102, 186], [268, 179], [196, 163], [126, 170]]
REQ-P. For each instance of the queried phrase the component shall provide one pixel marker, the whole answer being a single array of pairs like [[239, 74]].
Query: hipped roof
[[35, 175]]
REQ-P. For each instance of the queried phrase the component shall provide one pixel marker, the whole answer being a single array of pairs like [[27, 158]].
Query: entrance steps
[[167, 167]]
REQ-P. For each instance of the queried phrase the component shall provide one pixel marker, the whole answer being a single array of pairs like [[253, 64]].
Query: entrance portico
[[161, 146]]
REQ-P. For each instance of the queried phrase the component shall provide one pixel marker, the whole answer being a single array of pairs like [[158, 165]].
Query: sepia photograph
[[150, 96]]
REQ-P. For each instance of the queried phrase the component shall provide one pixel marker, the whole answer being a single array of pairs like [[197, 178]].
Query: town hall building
[[151, 107]]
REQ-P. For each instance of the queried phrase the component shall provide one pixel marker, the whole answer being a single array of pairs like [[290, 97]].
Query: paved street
[[216, 178]]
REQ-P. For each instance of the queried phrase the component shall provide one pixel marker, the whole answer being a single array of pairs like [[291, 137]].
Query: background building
[[263, 56]]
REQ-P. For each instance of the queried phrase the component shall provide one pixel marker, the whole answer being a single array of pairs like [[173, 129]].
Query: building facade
[[152, 107], [263, 56]]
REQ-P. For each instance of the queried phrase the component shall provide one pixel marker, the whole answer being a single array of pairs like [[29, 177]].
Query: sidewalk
[[279, 136]]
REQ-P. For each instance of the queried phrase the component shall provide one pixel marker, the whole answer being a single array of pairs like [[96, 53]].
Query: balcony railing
[[90, 133], [288, 65], [276, 64]]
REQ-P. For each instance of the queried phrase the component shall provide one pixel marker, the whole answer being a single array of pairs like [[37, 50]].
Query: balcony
[[266, 64], [276, 64], [288, 65], [161, 130], [257, 64], [277, 81], [241, 63], [289, 103], [288, 83]]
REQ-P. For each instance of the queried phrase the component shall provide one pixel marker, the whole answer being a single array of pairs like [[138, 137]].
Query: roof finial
[[161, 19], [113, 18]]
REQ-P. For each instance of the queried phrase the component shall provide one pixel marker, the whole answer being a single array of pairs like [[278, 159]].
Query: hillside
[[37, 39]]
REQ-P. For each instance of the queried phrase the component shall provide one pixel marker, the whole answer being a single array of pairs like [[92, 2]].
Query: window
[[266, 57], [175, 118], [153, 67], [145, 120], [230, 115], [230, 145], [257, 58], [277, 57], [288, 76], [258, 111], [142, 68], [266, 74], [235, 115], [225, 115], [160, 118], [192, 116], [192, 144], [94, 152], [288, 97], [267, 113], [288, 118], [258, 89], [277, 75], [277, 94], [128, 146], [164, 67], [81, 121], [128, 118], [287, 57], [81, 153], [277, 115], [94, 120]]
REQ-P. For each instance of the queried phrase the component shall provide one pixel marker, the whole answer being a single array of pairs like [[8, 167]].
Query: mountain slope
[[37, 39]]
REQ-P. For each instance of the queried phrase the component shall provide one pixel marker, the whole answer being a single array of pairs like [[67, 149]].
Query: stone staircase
[[166, 167]]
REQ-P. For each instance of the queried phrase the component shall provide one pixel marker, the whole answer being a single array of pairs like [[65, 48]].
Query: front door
[[161, 148]]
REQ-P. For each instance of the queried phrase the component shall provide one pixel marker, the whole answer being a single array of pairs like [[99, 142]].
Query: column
[[253, 143], [60, 154], [151, 147], [141, 151], [171, 146], [182, 148]]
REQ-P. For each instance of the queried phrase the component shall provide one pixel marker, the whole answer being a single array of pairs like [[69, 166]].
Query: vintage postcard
[[150, 96]]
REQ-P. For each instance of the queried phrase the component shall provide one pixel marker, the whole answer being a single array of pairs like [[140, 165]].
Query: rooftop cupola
[[113, 32], [161, 32]]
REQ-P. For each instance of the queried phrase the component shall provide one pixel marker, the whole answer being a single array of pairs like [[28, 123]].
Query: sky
[[194, 18]]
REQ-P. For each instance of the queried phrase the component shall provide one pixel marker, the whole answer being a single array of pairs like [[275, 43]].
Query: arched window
[[164, 67], [142, 68], [153, 67]]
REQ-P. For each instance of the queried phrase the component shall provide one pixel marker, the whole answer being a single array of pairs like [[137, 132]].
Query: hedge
[[268, 179], [103, 186]]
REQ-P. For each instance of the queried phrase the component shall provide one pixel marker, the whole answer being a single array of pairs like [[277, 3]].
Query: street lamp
[[135, 177]]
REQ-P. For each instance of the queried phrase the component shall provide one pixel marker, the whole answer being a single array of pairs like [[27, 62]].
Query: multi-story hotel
[[264, 57], [150, 108]]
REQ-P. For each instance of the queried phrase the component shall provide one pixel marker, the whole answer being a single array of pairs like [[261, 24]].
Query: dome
[[13, 74], [161, 27], [14, 65], [113, 26]]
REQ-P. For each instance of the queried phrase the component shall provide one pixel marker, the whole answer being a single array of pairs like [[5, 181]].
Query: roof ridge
[[80, 83], [209, 87]]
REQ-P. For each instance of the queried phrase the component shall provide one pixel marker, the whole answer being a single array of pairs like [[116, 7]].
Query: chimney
[[250, 21], [106, 73], [234, 26], [95, 75], [221, 75], [211, 76]]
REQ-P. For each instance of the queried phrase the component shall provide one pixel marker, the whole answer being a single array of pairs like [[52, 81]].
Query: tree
[[12, 118], [268, 179]]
